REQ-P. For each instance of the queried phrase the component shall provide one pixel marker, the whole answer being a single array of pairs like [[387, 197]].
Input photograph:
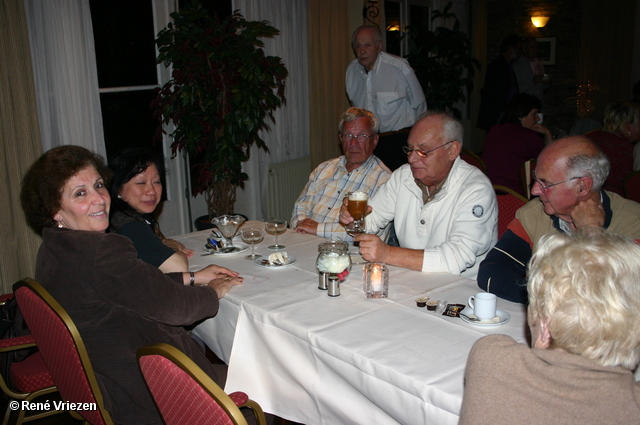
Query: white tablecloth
[[316, 359]]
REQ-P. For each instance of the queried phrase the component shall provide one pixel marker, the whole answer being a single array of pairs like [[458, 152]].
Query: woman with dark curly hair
[[136, 191], [517, 140], [118, 302]]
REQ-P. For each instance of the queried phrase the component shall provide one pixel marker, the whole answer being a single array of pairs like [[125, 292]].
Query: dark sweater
[[120, 304]]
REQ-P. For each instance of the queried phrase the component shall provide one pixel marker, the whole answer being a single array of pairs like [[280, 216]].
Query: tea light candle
[[376, 279]]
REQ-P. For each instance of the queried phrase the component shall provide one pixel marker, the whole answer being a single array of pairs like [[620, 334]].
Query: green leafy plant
[[222, 92], [442, 61]]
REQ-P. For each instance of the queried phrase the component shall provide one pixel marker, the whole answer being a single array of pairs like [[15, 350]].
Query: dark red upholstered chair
[[473, 159], [62, 349], [509, 202], [185, 394], [631, 186], [30, 377]]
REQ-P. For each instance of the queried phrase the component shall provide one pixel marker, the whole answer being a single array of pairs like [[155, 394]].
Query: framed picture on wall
[[547, 50]]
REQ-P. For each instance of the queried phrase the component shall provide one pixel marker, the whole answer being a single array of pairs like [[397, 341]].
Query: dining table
[[316, 359]]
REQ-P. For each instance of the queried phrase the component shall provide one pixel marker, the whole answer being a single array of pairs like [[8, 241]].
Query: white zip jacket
[[456, 229]]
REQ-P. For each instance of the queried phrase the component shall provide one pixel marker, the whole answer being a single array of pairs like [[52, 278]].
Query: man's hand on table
[[588, 213], [307, 226], [372, 248]]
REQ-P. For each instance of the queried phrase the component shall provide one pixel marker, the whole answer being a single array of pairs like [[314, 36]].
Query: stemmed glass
[[252, 236], [276, 227], [228, 226]]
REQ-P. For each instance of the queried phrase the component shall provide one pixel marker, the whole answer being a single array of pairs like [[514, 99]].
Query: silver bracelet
[[192, 279]]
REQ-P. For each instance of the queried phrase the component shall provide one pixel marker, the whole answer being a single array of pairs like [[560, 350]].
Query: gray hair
[[452, 129], [597, 167], [376, 31], [354, 113]]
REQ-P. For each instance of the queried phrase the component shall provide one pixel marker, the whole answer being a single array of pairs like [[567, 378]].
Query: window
[[124, 37], [398, 15]]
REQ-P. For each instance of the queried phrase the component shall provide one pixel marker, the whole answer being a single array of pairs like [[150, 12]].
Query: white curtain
[[66, 79], [288, 137]]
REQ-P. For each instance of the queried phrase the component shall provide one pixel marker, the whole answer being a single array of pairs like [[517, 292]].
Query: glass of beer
[[357, 207]]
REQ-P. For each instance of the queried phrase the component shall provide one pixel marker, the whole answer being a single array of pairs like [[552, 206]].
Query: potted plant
[[442, 61], [222, 92]]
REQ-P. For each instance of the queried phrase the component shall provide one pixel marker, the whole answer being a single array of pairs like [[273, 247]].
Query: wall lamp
[[539, 21]]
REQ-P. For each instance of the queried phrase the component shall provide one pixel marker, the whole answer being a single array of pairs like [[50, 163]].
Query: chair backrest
[[526, 176], [473, 159], [631, 186], [62, 349], [183, 392], [508, 203]]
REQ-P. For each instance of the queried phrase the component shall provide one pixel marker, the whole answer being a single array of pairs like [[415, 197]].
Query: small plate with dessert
[[276, 260]]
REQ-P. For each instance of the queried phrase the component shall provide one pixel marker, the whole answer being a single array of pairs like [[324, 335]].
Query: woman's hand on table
[[178, 247], [222, 285], [212, 272]]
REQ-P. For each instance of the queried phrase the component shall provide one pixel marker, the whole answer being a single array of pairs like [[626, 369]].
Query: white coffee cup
[[483, 305]]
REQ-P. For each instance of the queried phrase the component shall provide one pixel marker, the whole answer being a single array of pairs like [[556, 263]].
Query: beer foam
[[358, 196]]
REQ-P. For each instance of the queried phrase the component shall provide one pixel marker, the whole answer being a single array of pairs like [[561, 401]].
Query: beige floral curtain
[[19, 144], [329, 49]]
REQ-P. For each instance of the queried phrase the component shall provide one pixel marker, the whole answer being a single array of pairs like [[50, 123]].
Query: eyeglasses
[[360, 138], [544, 187], [421, 153]]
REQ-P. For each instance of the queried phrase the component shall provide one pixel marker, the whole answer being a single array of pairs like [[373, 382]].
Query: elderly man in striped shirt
[[317, 209]]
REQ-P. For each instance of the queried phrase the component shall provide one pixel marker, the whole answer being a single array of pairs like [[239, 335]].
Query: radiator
[[284, 184]]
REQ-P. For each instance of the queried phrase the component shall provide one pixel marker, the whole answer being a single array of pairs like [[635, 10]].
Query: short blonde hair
[[617, 115], [588, 286]]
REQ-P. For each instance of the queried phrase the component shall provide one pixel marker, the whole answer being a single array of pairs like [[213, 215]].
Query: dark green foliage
[[442, 61], [222, 92]]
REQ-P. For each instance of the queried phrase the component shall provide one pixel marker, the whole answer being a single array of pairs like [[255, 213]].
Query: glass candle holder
[[376, 280]]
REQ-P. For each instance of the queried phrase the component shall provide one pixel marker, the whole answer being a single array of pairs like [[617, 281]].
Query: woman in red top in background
[[509, 145]]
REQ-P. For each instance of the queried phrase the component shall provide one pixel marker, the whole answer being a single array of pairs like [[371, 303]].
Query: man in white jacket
[[444, 210]]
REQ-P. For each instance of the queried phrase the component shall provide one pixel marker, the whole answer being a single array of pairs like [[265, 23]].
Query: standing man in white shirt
[[387, 86]]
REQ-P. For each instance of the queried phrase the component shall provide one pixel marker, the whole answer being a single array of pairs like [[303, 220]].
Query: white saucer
[[502, 315], [261, 262]]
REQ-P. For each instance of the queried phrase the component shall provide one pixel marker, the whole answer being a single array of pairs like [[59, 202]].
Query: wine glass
[[252, 236], [276, 227]]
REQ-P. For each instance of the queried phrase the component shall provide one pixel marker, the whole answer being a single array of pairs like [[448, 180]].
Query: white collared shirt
[[390, 90]]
